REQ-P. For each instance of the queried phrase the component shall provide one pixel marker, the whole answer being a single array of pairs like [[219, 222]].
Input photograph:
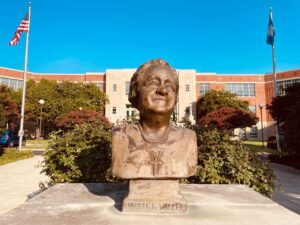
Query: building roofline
[[131, 69], [284, 71], [94, 73], [237, 74], [209, 73], [1, 67], [53, 74]]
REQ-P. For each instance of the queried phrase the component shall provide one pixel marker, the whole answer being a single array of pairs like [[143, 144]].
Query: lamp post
[[261, 106], [42, 102]]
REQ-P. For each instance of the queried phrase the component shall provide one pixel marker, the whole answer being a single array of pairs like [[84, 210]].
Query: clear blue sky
[[72, 36]]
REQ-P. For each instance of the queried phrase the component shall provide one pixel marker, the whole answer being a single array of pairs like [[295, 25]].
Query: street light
[[42, 102], [261, 106]]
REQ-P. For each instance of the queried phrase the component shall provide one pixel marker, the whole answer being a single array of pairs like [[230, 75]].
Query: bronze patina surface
[[154, 154]]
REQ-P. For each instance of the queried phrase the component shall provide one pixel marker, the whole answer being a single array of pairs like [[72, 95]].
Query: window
[[253, 132], [114, 87], [20, 84], [187, 87], [282, 85], [128, 110], [203, 88], [252, 108], [99, 85], [4, 81], [242, 89], [114, 110], [187, 111], [13, 83], [127, 87]]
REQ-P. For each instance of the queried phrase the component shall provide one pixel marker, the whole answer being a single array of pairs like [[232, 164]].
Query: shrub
[[67, 121], [286, 159], [292, 125], [84, 155], [79, 155], [223, 161], [215, 99], [227, 118]]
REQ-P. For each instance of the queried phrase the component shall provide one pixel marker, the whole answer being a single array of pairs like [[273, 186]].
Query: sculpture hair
[[134, 90]]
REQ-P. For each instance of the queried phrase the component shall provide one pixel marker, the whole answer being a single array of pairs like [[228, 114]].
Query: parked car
[[10, 139], [272, 143]]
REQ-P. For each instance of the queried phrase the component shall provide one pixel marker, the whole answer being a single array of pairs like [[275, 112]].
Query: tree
[[227, 118], [45, 90], [214, 99], [286, 110], [292, 125], [9, 110], [60, 98], [282, 106], [2, 119], [67, 121], [223, 110]]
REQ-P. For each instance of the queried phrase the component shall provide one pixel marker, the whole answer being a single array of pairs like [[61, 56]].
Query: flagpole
[[21, 131], [275, 86], [274, 63], [275, 95]]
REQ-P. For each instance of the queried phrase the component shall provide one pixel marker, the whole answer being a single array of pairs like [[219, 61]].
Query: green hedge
[[84, 155], [79, 155], [224, 161]]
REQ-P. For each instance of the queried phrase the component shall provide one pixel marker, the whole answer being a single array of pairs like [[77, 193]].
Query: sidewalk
[[287, 192], [19, 180]]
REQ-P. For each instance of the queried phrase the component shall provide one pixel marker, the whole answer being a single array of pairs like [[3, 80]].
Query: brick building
[[254, 88]]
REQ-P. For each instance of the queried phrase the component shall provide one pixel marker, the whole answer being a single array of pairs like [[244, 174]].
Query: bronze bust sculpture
[[154, 149]]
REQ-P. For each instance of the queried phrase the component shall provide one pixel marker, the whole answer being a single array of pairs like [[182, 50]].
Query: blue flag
[[271, 31]]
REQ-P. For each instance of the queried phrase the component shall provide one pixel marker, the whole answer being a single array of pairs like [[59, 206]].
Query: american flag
[[23, 27]]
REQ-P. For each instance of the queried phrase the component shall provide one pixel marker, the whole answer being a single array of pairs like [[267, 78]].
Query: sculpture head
[[154, 87]]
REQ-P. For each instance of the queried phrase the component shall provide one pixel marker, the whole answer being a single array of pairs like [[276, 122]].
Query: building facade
[[254, 88]]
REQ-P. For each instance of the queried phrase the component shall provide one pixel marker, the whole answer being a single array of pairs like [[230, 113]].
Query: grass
[[36, 144], [8, 155], [257, 148]]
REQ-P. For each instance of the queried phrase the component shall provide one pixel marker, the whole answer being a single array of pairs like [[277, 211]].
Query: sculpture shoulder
[[181, 132], [125, 130]]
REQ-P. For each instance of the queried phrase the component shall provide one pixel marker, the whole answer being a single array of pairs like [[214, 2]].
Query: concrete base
[[91, 204], [154, 197]]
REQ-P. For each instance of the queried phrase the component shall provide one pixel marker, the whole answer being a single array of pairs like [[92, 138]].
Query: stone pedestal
[[90, 204], [154, 196]]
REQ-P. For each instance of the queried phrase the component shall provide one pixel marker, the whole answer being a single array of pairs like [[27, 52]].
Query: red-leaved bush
[[227, 118], [68, 121], [8, 108]]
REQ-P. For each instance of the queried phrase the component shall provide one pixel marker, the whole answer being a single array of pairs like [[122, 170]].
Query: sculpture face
[[157, 91]]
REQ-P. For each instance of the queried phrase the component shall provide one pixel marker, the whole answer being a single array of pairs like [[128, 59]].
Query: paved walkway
[[287, 192], [19, 180]]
